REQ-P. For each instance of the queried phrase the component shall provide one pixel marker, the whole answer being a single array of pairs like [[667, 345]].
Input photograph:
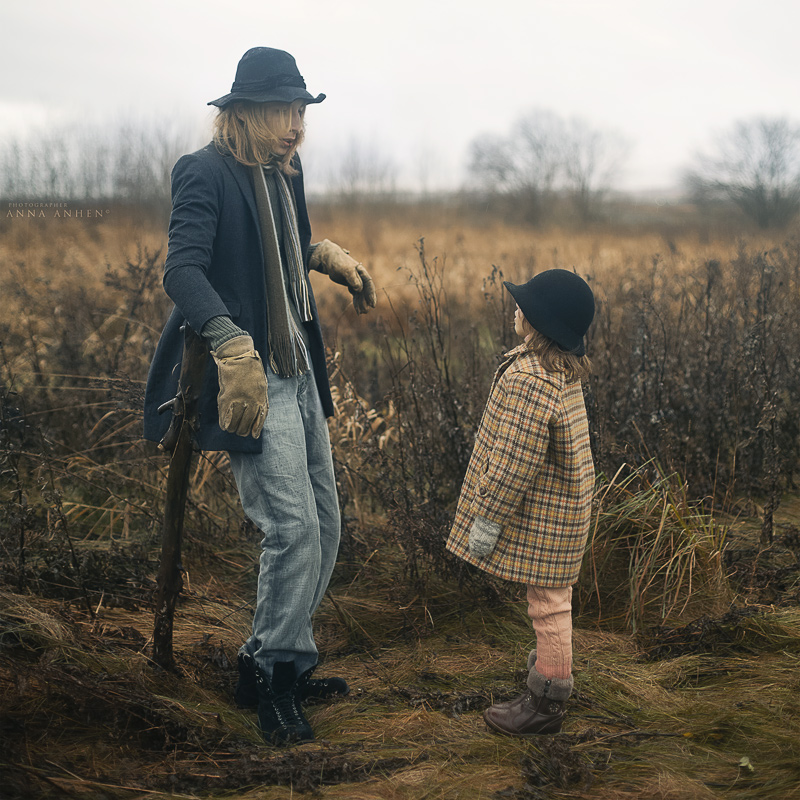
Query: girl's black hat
[[559, 304], [267, 75]]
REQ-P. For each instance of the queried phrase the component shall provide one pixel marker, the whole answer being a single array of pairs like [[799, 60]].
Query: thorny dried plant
[[699, 371], [699, 375], [75, 474], [696, 369]]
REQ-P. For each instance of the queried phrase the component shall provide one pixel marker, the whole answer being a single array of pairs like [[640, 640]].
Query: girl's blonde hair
[[553, 358], [250, 131]]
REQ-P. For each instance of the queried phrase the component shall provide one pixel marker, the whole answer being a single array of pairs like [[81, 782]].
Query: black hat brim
[[566, 339], [280, 94]]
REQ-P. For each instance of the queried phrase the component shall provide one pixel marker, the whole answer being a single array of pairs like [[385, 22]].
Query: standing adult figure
[[237, 269]]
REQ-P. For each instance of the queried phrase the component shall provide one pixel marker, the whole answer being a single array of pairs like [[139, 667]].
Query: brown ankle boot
[[528, 715], [506, 703]]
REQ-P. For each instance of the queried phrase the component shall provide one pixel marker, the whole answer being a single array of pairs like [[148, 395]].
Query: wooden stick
[[179, 442]]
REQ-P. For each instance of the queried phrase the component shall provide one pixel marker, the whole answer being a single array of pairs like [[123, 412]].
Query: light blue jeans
[[289, 492]]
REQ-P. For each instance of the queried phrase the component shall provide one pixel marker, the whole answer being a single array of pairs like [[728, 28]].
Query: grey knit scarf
[[287, 353]]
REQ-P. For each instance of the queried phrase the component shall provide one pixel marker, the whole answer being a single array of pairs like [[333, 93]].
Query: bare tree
[[756, 166], [426, 159], [592, 159], [363, 172], [524, 165], [130, 162], [546, 157]]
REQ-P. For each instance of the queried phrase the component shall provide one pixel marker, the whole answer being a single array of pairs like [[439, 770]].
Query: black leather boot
[[320, 689], [311, 689], [246, 693], [280, 716]]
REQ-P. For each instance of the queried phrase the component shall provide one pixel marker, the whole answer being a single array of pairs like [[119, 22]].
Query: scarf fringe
[[282, 357], [288, 356]]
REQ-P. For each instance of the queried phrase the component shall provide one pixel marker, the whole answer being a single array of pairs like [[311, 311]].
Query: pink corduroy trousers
[[550, 611]]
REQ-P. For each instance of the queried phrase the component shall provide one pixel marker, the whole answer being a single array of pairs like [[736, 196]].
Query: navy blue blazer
[[215, 265]]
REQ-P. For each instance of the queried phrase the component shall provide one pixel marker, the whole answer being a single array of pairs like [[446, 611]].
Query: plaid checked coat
[[531, 472]]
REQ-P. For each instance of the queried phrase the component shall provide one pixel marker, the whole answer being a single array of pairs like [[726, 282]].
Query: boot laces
[[286, 709], [284, 705]]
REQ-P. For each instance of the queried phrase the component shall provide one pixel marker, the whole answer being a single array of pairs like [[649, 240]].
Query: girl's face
[[519, 318]]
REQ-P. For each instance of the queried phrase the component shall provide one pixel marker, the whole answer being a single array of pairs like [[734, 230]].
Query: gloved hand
[[242, 399], [331, 260], [483, 537]]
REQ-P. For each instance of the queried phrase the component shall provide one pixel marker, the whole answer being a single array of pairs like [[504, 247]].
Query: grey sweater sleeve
[[219, 330]]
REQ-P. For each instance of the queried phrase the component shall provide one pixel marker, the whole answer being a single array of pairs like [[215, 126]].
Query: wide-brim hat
[[559, 304], [267, 75]]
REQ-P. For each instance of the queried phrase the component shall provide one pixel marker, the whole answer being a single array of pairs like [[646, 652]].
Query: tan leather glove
[[242, 399], [331, 260]]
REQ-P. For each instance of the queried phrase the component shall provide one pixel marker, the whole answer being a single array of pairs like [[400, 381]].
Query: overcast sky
[[416, 79]]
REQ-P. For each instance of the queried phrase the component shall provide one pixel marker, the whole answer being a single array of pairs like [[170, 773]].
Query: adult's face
[[294, 114]]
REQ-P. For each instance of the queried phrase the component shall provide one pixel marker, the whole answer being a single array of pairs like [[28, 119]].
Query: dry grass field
[[687, 613]]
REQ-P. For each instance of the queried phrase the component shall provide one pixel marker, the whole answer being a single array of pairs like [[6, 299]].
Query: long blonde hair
[[553, 358], [250, 131]]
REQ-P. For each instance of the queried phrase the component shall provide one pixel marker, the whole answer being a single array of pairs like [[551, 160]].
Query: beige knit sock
[[550, 611]]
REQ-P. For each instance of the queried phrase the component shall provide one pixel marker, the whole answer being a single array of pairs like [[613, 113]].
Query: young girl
[[525, 505]]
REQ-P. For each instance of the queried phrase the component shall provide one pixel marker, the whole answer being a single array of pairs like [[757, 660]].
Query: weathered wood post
[[179, 442]]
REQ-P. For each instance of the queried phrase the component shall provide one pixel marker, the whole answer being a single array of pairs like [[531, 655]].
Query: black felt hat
[[559, 304], [267, 75]]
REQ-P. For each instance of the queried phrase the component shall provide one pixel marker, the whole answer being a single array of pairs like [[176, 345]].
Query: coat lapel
[[241, 175], [532, 363], [508, 360]]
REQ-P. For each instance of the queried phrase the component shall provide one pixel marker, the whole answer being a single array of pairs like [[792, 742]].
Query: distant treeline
[[546, 169], [126, 164]]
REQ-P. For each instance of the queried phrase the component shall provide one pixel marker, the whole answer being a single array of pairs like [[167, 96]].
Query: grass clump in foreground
[[686, 632], [653, 553], [86, 714]]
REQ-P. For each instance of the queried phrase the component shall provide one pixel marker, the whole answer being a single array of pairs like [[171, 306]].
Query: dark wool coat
[[215, 265], [531, 472]]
